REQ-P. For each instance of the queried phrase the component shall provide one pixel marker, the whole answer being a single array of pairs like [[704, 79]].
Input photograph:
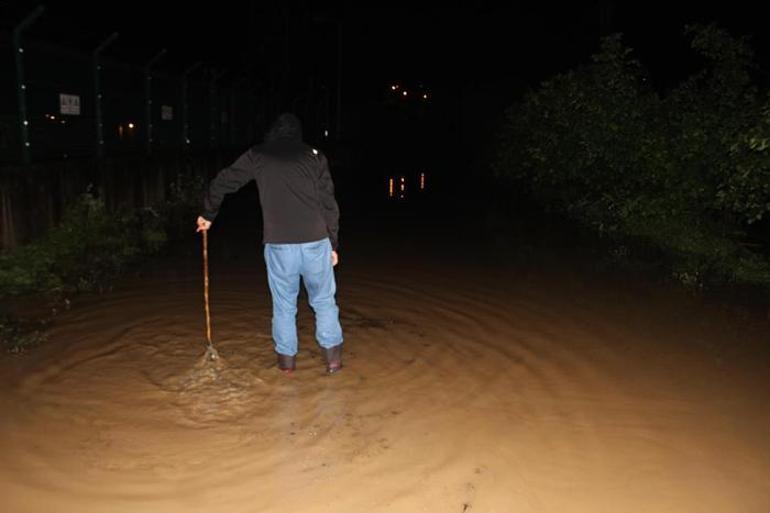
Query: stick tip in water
[[211, 354]]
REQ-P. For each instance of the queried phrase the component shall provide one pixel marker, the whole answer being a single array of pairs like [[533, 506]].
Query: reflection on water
[[397, 185]]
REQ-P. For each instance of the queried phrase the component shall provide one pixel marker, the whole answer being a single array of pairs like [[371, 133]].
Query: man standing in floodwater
[[300, 226]]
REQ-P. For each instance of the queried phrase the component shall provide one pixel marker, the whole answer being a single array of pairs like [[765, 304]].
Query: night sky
[[466, 43], [475, 57]]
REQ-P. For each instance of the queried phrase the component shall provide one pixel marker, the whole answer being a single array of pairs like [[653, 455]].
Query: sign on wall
[[69, 104]]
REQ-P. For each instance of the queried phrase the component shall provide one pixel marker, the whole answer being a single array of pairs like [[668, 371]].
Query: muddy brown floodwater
[[466, 388]]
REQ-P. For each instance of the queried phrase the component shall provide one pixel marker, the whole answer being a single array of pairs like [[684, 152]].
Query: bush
[[89, 248], [87, 251], [686, 172], [17, 335]]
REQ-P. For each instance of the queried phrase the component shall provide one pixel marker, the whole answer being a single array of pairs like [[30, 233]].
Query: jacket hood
[[287, 127]]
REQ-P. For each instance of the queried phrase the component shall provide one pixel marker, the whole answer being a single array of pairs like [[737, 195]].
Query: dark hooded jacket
[[295, 187]]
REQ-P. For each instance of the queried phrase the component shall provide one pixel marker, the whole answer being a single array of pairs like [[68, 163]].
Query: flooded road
[[468, 386]]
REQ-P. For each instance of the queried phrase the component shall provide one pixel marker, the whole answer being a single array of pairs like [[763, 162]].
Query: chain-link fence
[[78, 107], [72, 120]]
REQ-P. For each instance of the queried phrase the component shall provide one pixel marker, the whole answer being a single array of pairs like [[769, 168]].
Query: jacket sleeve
[[228, 180], [329, 209]]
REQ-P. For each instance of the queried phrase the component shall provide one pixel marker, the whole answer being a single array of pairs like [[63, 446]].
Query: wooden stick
[[206, 284]]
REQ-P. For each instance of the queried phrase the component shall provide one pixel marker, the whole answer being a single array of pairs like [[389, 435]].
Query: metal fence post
[[21, 87], [215, 121], [148, 98], [98, 94], [185, 113]]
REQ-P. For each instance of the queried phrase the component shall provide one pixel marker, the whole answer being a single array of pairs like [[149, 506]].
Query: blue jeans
[[312, 261]]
